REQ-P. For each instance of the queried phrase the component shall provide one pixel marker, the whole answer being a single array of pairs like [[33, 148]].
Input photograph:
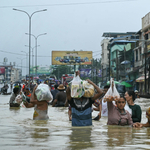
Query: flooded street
[[19, 131]]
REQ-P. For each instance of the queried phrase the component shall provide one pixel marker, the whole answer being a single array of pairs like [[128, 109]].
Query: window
[[136, 58], [140, 53]]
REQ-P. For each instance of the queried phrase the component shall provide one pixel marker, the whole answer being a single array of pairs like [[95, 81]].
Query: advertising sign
[[71, 57], [2, 70], [88, 72]]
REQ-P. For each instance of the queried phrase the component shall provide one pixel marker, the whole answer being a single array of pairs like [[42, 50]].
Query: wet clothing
[[61, 99], [117, 118], [12, 98], [11, 101], [81, 111], [136, 113], [14, 105], [40, 114], [54, 92], [97, 103]]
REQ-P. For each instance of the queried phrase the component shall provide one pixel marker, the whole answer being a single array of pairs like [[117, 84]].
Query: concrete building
[[105, 60], [9, 73], [112, 63], [142, 56], [16, 74]]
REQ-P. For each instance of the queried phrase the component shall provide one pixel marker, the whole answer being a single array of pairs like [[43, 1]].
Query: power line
[[20, 54], [84, 3], [96, 54], [39, 55]]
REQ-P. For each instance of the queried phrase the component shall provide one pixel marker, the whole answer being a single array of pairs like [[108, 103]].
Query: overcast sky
[[69, 24]]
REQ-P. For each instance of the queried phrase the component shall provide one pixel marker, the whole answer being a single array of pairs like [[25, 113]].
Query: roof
[[141, 79], [115, 34]]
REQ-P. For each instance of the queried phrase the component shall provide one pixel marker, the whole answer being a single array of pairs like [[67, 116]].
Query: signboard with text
[[71, 57], [90, 73], [2, 70]]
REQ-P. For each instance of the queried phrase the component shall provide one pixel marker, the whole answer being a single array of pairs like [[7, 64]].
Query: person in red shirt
[[27, 94]]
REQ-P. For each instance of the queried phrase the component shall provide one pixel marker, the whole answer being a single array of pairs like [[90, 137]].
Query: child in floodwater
[[40, 107], [140, 125]]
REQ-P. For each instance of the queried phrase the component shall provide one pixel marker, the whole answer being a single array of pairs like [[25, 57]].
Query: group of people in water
[[80, 109]]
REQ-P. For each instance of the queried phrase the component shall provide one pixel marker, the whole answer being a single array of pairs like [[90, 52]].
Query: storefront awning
[[141, 79]]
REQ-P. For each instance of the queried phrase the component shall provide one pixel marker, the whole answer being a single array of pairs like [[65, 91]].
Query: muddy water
[[19, 131]]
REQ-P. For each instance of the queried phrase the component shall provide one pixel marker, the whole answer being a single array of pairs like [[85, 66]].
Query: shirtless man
[[40, 107]]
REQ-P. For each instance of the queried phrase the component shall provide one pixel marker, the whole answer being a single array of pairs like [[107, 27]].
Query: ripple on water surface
[[19, 131]]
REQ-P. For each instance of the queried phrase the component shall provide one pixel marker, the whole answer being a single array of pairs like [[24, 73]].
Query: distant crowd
[[121, 110]]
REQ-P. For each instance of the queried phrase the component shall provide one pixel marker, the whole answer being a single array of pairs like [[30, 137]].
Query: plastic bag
[[43, 93], [128, 108], [77, 89], [112, 93], [88, 89], [18, 99], [23, 97]]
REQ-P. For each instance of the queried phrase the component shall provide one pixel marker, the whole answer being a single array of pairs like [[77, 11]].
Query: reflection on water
[[118, 136], [19, 131], [14, 110], [40, 132], [80, 138]]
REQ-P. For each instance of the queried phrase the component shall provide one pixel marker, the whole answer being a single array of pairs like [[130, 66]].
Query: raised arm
[[99, 91]]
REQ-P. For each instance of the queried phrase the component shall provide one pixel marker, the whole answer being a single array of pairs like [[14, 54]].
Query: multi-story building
[[104, 60], [16, 74], [9, 73], [142, 56], [118, 45]]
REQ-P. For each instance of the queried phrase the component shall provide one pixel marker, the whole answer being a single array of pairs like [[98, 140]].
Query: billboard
[[88, 72], [2, 70], [71, 57]]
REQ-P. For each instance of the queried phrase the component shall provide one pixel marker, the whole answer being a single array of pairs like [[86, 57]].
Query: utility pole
[[117, 65], [145, 51], [96, 71]]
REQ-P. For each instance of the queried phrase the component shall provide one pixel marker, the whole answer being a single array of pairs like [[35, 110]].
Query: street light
[[32, 56], [26, 61], [21, 63], [30, 16], [36, 37]]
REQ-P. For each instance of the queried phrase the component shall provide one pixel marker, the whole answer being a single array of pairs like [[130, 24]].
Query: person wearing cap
[[140, 125], [60, 98]]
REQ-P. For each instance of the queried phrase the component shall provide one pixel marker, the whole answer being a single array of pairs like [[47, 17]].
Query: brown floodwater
[[19, 131]]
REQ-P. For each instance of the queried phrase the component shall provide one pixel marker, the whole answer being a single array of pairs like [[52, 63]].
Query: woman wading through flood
[[117, 115], [136, 109]]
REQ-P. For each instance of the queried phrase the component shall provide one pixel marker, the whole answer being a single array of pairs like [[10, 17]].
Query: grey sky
[[68, 26]]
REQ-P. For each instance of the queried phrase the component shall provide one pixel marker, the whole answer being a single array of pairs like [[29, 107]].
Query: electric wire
[[65, 4]]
